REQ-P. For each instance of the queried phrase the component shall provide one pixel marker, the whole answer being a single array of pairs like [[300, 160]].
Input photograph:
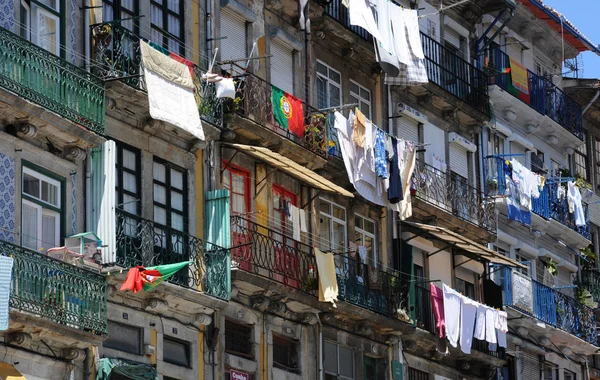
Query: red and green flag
[[288, 112], [141, 278]]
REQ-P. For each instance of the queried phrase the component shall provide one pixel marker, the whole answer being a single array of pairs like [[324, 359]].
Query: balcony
[[590, 279], [254, 103], [549, 306], [51, 82], [117, 57], [563, 113], [143, 242], [56, 291], [453, 195], [273, 255], [548, 206]]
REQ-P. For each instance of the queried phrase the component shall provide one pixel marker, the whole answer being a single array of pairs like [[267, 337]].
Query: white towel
[[467, 323], [6, 265], [303, 225], [452, 302], [362, 252], [502, 339], [411, 21], [401, 48], [225, 88], [502, 322], [295, 222], [384, 46], [328, 288], [480, 323], [491, 315], [361, 14]]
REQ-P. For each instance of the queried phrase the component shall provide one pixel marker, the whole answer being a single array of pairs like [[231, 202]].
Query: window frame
[[361, 231], [293, 349], [57, 13], [359, 98], [119, 173], [582, 153], [337, 352], [118, 9], [164, 30], [231, 169], [140, 341], [332, 220], [328, 81], [187, 347], [597, 154], [168, 190], [251, 355]]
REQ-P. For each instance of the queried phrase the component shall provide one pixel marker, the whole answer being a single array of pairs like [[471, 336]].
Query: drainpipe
[[320, 350], [88, 193], [590, 103]]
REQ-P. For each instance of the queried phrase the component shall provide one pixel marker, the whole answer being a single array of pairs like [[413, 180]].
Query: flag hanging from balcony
[[141, 278], [518, 75], [288, 111]]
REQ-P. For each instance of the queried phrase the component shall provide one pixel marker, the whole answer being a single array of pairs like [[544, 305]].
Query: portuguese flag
[[141, 278], [288, 112]]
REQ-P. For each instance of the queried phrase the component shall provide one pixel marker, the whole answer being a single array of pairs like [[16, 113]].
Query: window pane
[[31, 185], [347, 361], [30, 228], [175, 352], [369, 226], [107, 12], [159, 172], [339, 212], [177, 201], [335, 96], [129, 160], [160, 194], [173, 5], [334, 76], [325, 233], [156, 16], [174, 26], [50, 3], [47, 31], [368, 243], [177, 179], [226, 182], [339, 236], [358, 222], [49, 231], [238, 204], [352, 99], [325, 206], [123, 338], [128, 4], [354, 88], [177, 221], [129, 204], [330, 360], [321, 68], [129, 182], [49, 193], [160, 215], [365, 94]]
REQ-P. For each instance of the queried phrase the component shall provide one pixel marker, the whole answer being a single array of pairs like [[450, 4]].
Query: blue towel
[[6, 265]]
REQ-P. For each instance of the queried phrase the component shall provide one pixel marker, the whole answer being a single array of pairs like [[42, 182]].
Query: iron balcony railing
[[426, 321], [544, 96], [276, 256], [550, 306], [57, 291], [590, 279], [51, 82], [454, 194], [550, 205], [144, 242], [117, 55], [254, 102]]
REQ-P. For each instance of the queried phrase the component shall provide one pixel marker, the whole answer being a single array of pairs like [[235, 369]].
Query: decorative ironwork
[[117, 55], [549, 205], [144, 242], [555, 308], [544, 96], [454, 194], [57, 291], [253, 101], [51, 82]]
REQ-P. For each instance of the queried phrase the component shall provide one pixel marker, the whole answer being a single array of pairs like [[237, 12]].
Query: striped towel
[[6, 265]]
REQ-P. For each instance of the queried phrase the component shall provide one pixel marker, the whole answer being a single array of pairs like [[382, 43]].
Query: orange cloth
[[358, 129]]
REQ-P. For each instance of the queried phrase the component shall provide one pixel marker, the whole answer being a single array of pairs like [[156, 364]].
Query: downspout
[[590, 103], [307, 55], [208, 30], [320, 350], [88, 193]]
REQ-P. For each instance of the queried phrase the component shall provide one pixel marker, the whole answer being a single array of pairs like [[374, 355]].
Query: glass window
[[361, 96], [170, 194], [128, 179], [332, 227], [525, 261], [329, 86], [364, 234], [549, 372], [466, 288], [40, 23], [568, 375], [237, 180], [580, 159], [176, 351], [124, 338], [125, 10], [166, 18], [285, 354], [238, 339], [338, 362]]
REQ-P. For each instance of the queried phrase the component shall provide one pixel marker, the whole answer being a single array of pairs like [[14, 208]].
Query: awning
[[9, 372], [472, 249], [288, 166]]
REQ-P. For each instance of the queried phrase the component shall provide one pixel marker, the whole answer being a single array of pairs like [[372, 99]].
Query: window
[[549, 372], [364, 229], [329, 86], [40, 21], [362, 96], [238, 339], [170, 184], [237, 180], [285, 354], [555, 168], [370, 365], [466, 288], [124, 338], [415, 374], [332, 229], [580, 159], [125, 10], [167, 24], [280, 218], [128, 180], [40, 210], [525, 261], [568, 375], [176, 351], [495, 144], [338, 362]]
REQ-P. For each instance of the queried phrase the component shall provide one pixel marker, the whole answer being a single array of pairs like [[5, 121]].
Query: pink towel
[[437, 302]]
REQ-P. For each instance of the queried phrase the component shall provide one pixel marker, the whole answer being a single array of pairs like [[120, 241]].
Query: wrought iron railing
[[550, 205], [117, 56], [590, 279], [544, 96], [57, 291], [454, 194], [455, 75], [254, 102], [143, 242], [426, 321], [339, 13], [51, 82], [550, 306]]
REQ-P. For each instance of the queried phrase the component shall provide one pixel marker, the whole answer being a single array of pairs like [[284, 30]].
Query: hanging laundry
[[527, 183], [408, 166], [467, 323], [575, 205], [388, 147], [358, 132], [479, 332], [285, 207], [502, 328], [6, 266], [395, 191], [437, 304], [361, 14], [225, 88], [328, 288], [288, 111], [381, 162], [384, 45], [295, 211], [491, 315], [170, 91], [515, 210], [364, 157], [362, 252], [303, 224], [180, 59], [452, 302]]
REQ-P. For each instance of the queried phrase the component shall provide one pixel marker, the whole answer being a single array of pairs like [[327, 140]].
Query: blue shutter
[[218, 232]]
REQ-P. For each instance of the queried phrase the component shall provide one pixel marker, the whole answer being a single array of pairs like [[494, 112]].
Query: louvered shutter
[[218, 223], [233, 26], [407, 129], [418, 257], [282, 66], [459, 162], [103, 198], [465, 274], [452, 37]]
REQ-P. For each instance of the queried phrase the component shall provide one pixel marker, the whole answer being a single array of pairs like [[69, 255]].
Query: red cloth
[[180, 59], [136, 277], [437, 303]]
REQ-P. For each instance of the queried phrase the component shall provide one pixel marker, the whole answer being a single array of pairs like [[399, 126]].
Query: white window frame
[[328, 81], [332, 220], [41, 212], [362, 232], [522, 259], [36, 11], [43, 178], [360, 99], [337, 352]]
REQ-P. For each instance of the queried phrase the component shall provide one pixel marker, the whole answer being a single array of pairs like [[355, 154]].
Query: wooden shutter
[[217, 219], [233, 26], [282, 66], [103, 198]]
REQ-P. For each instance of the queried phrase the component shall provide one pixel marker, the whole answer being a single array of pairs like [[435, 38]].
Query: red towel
[[437, 303]]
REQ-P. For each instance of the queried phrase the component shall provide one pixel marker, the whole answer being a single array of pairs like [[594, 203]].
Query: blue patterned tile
[[7, 15], [73, 204], [7, 199]]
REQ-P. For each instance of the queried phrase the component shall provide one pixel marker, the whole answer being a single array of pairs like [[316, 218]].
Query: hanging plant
[[589, 256], [552, 267]]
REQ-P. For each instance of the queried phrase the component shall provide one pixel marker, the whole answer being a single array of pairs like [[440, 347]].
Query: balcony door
[[286, 248], [40, 23], [237, 180]]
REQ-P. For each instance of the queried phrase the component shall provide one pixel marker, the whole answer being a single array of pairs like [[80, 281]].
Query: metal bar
[[505, 155], [230, 61], [339, 108], [312, 199], [116, 21], [229, 161], [485, 45], [416, 236], [440, 250], [464, 262], [123, 77], [263, 180], [480, 39]]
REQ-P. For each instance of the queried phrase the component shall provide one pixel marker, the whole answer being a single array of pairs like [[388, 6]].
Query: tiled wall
[[7, 198]]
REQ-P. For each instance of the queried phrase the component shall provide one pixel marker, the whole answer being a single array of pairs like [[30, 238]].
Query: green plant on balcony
[[492, 186], [583, 296], [314, 132], [589, 256], [551, 267], [310, 285]]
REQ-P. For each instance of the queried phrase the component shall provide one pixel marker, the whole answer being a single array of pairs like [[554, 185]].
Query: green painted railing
[[57, 291], [51, 82]]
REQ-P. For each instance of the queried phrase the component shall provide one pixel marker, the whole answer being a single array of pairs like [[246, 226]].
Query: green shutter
[[218, 232]]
